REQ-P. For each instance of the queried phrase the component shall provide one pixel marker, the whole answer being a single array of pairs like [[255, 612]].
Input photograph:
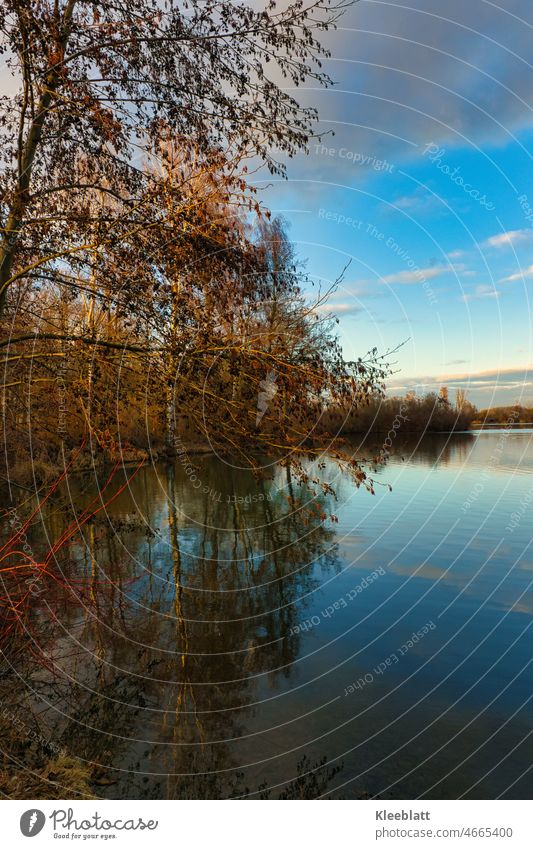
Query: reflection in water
[[441, 448], [187, 601], [209, 630]]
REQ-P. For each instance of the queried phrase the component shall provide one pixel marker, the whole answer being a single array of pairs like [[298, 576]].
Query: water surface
[[221, 635]]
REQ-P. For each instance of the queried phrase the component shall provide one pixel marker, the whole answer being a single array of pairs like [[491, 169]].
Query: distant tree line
[[432, 412], [504, 415]]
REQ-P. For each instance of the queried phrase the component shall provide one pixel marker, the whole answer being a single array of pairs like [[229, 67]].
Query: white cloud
[[407, 277], [520, 275], [511, 237], [405, 202], [480, 293], [506, 386], [417, 275], [360, 288], [421, 201], [338, 309], [460, 268]]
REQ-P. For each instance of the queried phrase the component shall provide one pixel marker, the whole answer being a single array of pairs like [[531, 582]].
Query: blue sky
[[427, 188]]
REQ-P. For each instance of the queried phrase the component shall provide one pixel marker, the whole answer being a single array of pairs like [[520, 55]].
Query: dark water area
[[219, 635]]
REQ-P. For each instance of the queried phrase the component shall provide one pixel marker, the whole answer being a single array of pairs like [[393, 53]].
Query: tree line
[[432, 412]]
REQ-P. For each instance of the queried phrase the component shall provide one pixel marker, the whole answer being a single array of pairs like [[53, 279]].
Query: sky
[[422, 181]]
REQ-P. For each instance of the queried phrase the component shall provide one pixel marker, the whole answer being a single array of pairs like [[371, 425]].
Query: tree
[[460, 399], [100, 82], [124, 229], [244, 326]]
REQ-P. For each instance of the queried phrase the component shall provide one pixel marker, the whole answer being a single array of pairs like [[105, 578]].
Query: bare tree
[[98, 84]]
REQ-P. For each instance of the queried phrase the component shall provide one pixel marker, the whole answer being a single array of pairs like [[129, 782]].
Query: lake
[[216, 635]]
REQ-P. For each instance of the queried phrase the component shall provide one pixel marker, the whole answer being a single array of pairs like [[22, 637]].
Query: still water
[[216, 641]]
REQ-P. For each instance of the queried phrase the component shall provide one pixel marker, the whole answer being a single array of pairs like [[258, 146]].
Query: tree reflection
[[180, 607]]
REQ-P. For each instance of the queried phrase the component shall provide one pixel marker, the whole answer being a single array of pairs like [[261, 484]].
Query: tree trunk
[[15, 218]]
